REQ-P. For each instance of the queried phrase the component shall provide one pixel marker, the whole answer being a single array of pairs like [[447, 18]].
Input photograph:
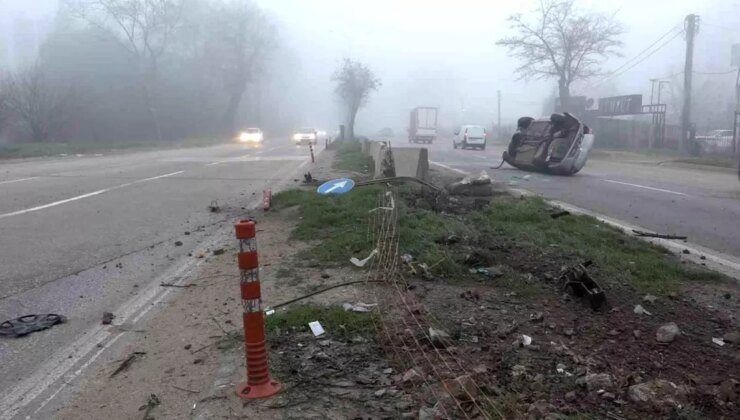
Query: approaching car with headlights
[[251, 136], [306, 136]]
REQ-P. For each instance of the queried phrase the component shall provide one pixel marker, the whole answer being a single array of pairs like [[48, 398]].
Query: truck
[[423, 125]]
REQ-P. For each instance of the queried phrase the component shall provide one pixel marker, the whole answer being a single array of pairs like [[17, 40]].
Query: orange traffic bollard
[[258, 384]]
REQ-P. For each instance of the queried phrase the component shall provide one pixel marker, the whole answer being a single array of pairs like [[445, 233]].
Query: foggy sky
[[443, 53]]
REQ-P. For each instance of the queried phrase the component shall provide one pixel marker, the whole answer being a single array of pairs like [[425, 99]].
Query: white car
[[251, 135], [306, 136], [469, 136]]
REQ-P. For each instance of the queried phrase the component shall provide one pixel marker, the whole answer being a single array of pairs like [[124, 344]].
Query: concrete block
[[411, 161]]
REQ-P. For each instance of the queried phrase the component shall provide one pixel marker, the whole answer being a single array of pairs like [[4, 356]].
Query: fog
[[440, 54]]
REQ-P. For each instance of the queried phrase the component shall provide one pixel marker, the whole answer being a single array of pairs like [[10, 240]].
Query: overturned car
[[558, 145]]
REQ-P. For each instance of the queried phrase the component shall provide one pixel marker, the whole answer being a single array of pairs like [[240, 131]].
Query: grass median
[[516, 234]]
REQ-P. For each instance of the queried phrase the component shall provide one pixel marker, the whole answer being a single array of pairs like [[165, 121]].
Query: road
[[688, 200], [83, 235]]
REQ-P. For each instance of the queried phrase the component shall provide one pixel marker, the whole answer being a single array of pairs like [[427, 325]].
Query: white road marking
[[442, 165], [80, 197], [646, 187], [18, 180], [215, 163]]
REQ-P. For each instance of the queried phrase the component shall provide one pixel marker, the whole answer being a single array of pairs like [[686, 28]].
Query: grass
[[26, 150], [340, 223], [350, 158], [336, 321], [617, 257]]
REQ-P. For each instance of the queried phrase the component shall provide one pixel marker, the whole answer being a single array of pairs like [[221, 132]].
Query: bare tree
[[39, 106], [144, 28], [562, 42], [243, 37], [355, 81]]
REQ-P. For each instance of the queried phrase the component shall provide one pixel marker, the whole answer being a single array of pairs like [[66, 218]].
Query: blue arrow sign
[[336, 186]]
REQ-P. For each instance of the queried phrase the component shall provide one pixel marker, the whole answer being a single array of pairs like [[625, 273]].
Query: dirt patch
[[191, 355]]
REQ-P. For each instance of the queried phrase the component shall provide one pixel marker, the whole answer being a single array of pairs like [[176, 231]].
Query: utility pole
[[688, 69], [498, 109], [652, 89]]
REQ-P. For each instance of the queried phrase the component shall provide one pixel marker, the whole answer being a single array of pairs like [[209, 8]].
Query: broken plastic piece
[[361, 263], [718, 341], [316, 328], [29, 323], [582, 285], [359, 307], [526, 340], [639, 310]]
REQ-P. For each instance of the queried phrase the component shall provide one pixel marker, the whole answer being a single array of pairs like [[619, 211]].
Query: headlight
[[296, 137], [243, 137]]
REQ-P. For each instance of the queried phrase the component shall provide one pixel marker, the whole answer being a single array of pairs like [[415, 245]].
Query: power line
[[645, 50], [716, 73], [614, 74]]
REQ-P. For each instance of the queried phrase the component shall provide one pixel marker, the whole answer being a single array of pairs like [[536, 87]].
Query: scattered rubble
[[439, 338], [639, 310], [667, 333], [127, 362], [595, 381], [107, 318], [658, 394], [580, 283]]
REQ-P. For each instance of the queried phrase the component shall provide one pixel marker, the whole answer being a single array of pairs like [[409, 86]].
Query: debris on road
[[474, 187], [127, 362], [667, 333], [650, 298], [316, 328], [178, 243], [643, 234], [491, 272], [151, 403], [525, 340], [581, 284], [27, 324], [560, 214], [107, 318], [639, 310], [359, 307], [184, 286], [718, 341], [214, 207], [439, 338], [218, 251], [361, 263]]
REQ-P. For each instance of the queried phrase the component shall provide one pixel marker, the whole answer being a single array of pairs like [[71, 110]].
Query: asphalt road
[[701, 203], [83, 235]]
